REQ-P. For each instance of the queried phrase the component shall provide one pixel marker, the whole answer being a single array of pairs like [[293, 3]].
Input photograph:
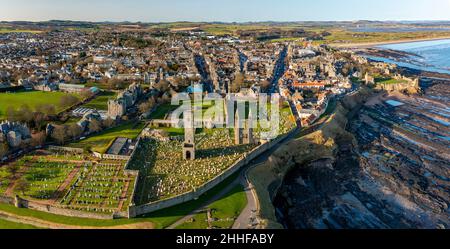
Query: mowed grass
[[101, 101], [225, 210], [5, 224], [32, 99], [388, 81], [160, 219], [101, 142], [162, 110]]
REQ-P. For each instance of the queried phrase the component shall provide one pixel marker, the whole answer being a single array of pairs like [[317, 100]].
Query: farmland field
[[6, 30], [32, 99]]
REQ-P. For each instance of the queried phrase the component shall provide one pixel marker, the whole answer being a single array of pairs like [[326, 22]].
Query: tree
[[265, 85], [38, 120], [25, 114], [11, 113], [107, 123], [4, 149], [12, 170], [238, 83], [74, 131], [60, 134], [22, 185], [38, 139], [86, 94], [68, 100], [162, 86], [94, 126], [46, 109], [147, 105]]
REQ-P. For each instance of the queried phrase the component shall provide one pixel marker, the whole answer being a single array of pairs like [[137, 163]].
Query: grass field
[[388, 81], [32, 99], [162, 110], [5, 31], [224, 211], [103, 140], [4, 224], [101, 101]]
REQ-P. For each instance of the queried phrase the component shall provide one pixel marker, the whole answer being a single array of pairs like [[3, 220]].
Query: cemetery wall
[[66, 149], [6, 200], [134, 211], [22, 203], [111, 156]]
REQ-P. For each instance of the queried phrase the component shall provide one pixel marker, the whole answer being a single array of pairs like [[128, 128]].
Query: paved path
[[247, 217]]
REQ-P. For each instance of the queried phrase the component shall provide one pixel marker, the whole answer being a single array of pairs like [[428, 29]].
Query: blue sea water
[[431, 56]]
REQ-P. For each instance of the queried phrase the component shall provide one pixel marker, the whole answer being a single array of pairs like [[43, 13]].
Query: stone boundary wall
[[7, 200], [134, 211], [22, 203], [135, 173], [111, 156], [66, 149]]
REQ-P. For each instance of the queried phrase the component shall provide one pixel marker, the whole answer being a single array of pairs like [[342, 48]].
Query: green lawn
[[162, 110], [32, 99], [161, 219], [388, 81], [103, 140], [4, 224], [173, 132], [224, 211], [101, 101]]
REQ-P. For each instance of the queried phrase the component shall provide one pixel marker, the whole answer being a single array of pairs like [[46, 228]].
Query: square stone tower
[[239, 128], [248, 131], [189, 136]]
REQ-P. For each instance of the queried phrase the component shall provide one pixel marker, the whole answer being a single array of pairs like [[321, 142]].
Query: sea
[[433, 56]]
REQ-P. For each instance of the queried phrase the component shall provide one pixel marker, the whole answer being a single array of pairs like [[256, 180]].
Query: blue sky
[[224, 10]]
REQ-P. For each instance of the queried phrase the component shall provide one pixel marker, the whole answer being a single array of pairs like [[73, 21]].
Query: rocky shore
[[390, 170]]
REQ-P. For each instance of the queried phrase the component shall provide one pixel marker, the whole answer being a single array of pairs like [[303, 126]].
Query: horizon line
[[226, 22]]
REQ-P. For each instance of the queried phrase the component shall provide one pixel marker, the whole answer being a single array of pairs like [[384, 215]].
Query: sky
[[223, 10]]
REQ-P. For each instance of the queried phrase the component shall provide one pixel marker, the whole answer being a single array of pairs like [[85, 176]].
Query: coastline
[[375, 44]]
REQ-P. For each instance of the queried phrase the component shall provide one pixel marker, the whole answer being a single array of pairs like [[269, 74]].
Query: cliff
[[318, 145]]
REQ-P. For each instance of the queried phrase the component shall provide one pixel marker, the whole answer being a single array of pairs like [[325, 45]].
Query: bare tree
[[12, 170], [74, 131], [94, 126], [107, 123], [68, 100], [22, 185], [3, 150], [60, 134], [38, 139]]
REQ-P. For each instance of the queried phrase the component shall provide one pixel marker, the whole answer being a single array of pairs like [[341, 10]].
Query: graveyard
[[164, 173], [84, 182], [77, 182]]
